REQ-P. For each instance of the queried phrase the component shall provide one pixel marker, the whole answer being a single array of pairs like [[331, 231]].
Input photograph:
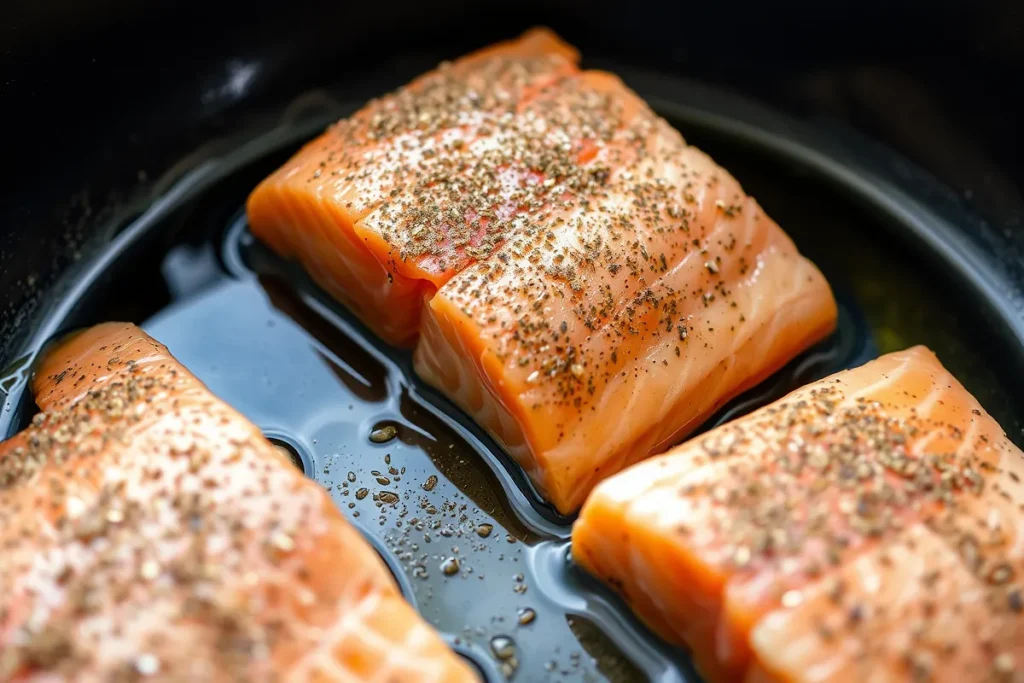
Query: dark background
[[96, 97]]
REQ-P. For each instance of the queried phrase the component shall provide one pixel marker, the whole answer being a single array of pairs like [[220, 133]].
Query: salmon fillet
[[867, 527], [149, 530], [573, 275]]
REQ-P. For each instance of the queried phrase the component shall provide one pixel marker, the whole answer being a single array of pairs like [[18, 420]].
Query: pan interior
[[479, 555]]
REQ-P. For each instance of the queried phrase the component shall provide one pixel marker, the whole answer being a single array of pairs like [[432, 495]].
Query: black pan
[[883, 141]]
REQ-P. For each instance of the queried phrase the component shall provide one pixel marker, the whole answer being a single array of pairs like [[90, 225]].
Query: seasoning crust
[[147, 530], [869, 524], [571, 273]]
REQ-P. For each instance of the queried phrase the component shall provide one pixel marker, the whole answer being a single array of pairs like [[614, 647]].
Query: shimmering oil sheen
[[474, 549]]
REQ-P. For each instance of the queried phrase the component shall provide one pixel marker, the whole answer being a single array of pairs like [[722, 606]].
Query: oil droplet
[[362, 493], [430, 483], [503, 647], [282, 542], [484, 530], [150, 569], [526, 615], [383, 434], [508, 667], [147, 664], [450, 566]]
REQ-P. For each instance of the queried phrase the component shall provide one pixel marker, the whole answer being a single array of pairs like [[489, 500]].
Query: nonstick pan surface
[[471, 544]]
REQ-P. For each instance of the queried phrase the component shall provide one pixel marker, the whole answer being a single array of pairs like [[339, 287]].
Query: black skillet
[[885, 139]]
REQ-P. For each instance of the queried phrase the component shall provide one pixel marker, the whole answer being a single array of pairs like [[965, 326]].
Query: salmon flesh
[[867, 527], [147, 530], [570, 272]]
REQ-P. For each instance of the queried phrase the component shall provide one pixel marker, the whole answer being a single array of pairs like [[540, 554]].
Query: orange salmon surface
[[388, 204], [571, 273], [867, 527], [149, 531]]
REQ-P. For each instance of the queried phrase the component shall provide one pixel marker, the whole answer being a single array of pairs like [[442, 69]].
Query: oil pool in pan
[[472, 546]]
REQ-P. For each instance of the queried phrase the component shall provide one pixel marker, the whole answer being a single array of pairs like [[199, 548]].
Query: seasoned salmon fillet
[[150, 531], [573, 275], [867, 527]]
